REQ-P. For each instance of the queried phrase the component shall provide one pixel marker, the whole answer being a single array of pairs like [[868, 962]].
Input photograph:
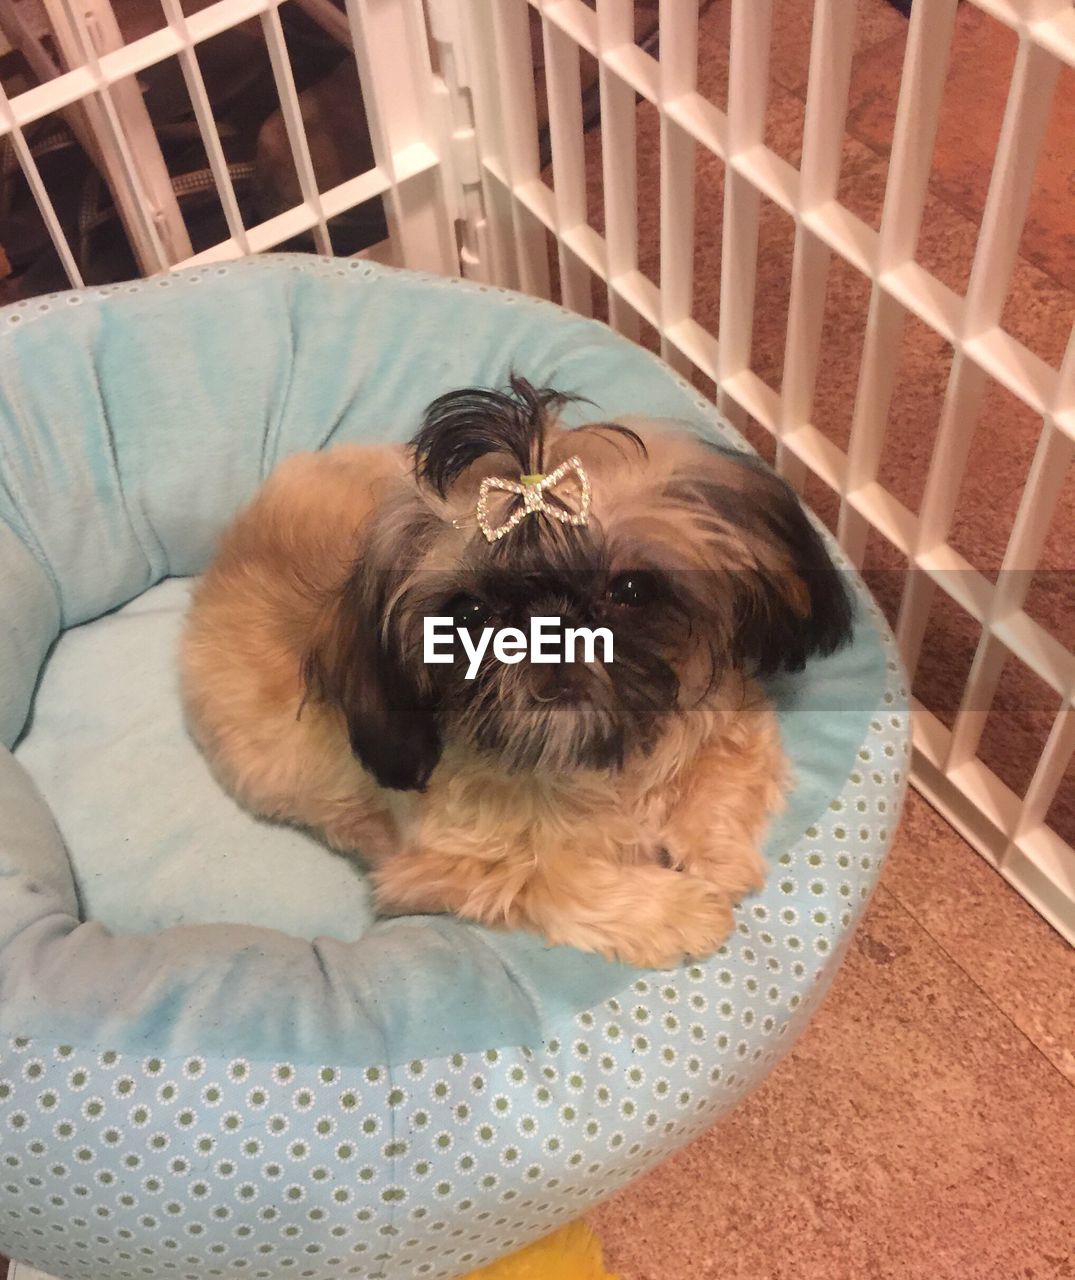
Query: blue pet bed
[[213, 1059]]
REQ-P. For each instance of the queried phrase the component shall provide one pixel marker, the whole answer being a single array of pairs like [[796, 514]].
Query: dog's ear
[[357, 663], [790, 601]]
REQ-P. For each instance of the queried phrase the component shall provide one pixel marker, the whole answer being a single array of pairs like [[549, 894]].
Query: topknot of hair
[[462, 426]]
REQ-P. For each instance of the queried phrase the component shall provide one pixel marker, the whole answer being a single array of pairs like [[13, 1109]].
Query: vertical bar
[[203, 113], [515, 66], [563, 90], [392, 55], [114, 152], [913, 618], [748, 73], [1044, 482], [978, 694], [831, 51], [802, 346], [1049, 773], [832, 47], [925, 66], [454, 114], [619, 176], [873, 397], [478, 66], [1052, 458], [748, 84], [959, 417], [677, 235], [124, 143], [678, 76], [1026, 118], [615, 24], [296, 130], [679, 48], [40, 193]]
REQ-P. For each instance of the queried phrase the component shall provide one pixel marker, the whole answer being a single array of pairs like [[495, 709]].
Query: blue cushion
[[200, 1007]]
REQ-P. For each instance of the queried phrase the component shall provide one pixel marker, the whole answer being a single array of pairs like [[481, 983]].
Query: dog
[[612, 805]]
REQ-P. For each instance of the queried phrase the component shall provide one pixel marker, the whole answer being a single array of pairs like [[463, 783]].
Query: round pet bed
[[214, 1061]]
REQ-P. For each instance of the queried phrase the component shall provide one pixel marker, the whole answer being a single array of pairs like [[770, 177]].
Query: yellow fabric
[[572, 1253]]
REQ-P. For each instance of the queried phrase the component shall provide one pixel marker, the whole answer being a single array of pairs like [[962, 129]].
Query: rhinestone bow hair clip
[[533, 490]]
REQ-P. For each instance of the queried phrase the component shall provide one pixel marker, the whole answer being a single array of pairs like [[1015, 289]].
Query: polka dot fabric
[[196, 1167], [121, 1165]]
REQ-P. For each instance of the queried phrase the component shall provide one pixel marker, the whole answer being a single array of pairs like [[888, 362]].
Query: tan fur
[[576, 856]]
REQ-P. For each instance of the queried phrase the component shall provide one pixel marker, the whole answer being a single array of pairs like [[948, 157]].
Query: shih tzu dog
[[613, 803]]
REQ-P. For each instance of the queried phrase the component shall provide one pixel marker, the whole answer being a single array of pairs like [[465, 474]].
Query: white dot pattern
[[196, 1167]]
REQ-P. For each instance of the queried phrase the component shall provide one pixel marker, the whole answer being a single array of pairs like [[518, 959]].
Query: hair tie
[[532, 489]]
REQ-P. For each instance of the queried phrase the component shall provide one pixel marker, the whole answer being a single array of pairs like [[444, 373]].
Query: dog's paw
[[734, 869], [686, 918]]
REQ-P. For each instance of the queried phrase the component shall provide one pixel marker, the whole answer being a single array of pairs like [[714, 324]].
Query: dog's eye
[[469, 612], [632, 589]]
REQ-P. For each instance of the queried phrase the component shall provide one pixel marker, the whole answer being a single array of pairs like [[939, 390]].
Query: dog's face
[[699, 562]]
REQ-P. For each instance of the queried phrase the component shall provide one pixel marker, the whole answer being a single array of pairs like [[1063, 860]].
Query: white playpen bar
[[1010, 831], [407, 125], [457, 165]]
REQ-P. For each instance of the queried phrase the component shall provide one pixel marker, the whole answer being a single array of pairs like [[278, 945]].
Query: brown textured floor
[[924, 1127]]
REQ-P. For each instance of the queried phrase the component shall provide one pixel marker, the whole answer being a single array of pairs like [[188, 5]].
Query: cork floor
[[924, 1126]]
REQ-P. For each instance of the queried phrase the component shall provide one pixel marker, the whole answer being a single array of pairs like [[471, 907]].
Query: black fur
[[771, 633], [362, 664], [462, 426], [829, 623]]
